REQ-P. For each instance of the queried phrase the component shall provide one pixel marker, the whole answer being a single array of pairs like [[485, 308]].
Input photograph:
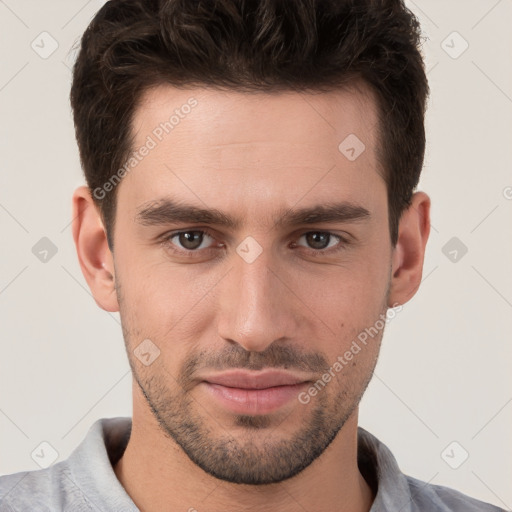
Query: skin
[[296, 305]]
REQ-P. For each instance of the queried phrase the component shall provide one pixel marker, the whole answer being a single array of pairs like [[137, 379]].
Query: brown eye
[[188, 240], [320, 240]]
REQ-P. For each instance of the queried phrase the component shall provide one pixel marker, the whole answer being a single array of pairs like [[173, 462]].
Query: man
[[251, 213]]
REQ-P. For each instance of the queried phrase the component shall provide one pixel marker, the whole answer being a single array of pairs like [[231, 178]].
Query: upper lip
[[255, 380]]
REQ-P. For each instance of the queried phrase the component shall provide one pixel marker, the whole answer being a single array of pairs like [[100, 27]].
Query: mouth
[[244, 392]]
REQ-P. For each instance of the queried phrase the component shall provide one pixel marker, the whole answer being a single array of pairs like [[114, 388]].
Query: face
[[270, 280]]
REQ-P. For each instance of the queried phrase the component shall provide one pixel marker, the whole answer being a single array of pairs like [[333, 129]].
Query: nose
[[257, 303]]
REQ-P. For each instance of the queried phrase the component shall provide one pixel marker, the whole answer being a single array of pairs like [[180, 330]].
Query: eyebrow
[[168, 211]]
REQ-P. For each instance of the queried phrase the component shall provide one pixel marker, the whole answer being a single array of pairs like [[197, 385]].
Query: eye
[[320, 241], [191, 240]]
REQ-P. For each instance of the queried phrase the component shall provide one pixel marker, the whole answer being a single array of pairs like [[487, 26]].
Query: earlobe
[[409, 253], [94, 255]]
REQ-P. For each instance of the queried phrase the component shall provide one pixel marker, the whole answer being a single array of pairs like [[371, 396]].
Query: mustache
[[236, 357]]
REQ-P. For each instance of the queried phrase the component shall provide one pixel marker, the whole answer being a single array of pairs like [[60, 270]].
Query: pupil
[[187, 239], [314, 238]]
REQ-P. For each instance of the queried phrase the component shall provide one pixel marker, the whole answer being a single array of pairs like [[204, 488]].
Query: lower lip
[[254, 401]]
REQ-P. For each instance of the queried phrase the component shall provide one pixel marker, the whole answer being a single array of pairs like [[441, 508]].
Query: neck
[[158, 475]]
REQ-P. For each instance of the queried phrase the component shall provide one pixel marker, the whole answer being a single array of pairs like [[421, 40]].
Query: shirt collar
[[376, 462]]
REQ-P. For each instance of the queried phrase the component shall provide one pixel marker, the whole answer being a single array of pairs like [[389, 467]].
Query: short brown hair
[[249, 45]]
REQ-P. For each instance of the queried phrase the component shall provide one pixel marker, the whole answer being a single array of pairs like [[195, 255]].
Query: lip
[[255, 380], [262, 392]]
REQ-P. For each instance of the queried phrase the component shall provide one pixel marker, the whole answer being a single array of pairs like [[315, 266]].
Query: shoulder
[[425, 496], [25, 488], [44, 490], [78, 483], [398, 491]]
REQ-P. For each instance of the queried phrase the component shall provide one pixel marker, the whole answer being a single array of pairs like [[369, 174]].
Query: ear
[[94, 255], [409, 253]]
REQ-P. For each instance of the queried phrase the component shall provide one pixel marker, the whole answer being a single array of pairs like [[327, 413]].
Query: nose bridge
[[256, 308]]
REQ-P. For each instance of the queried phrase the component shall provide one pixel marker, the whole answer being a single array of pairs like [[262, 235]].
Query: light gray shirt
[[86, 481]]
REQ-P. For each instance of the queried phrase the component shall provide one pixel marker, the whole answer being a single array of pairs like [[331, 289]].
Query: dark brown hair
[[249, 45]]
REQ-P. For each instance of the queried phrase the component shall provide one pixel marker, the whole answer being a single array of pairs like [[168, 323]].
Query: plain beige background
[[442, 389]]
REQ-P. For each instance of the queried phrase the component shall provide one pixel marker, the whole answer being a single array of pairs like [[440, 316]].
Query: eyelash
[[166, 240]]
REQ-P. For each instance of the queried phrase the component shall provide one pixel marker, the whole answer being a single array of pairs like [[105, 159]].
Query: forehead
[[254, 148], [228, 116]]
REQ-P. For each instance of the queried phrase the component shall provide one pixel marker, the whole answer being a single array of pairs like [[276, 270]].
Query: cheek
[[352, 293], [353, 305], [155, 285], [352, 359], [166, 302]]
